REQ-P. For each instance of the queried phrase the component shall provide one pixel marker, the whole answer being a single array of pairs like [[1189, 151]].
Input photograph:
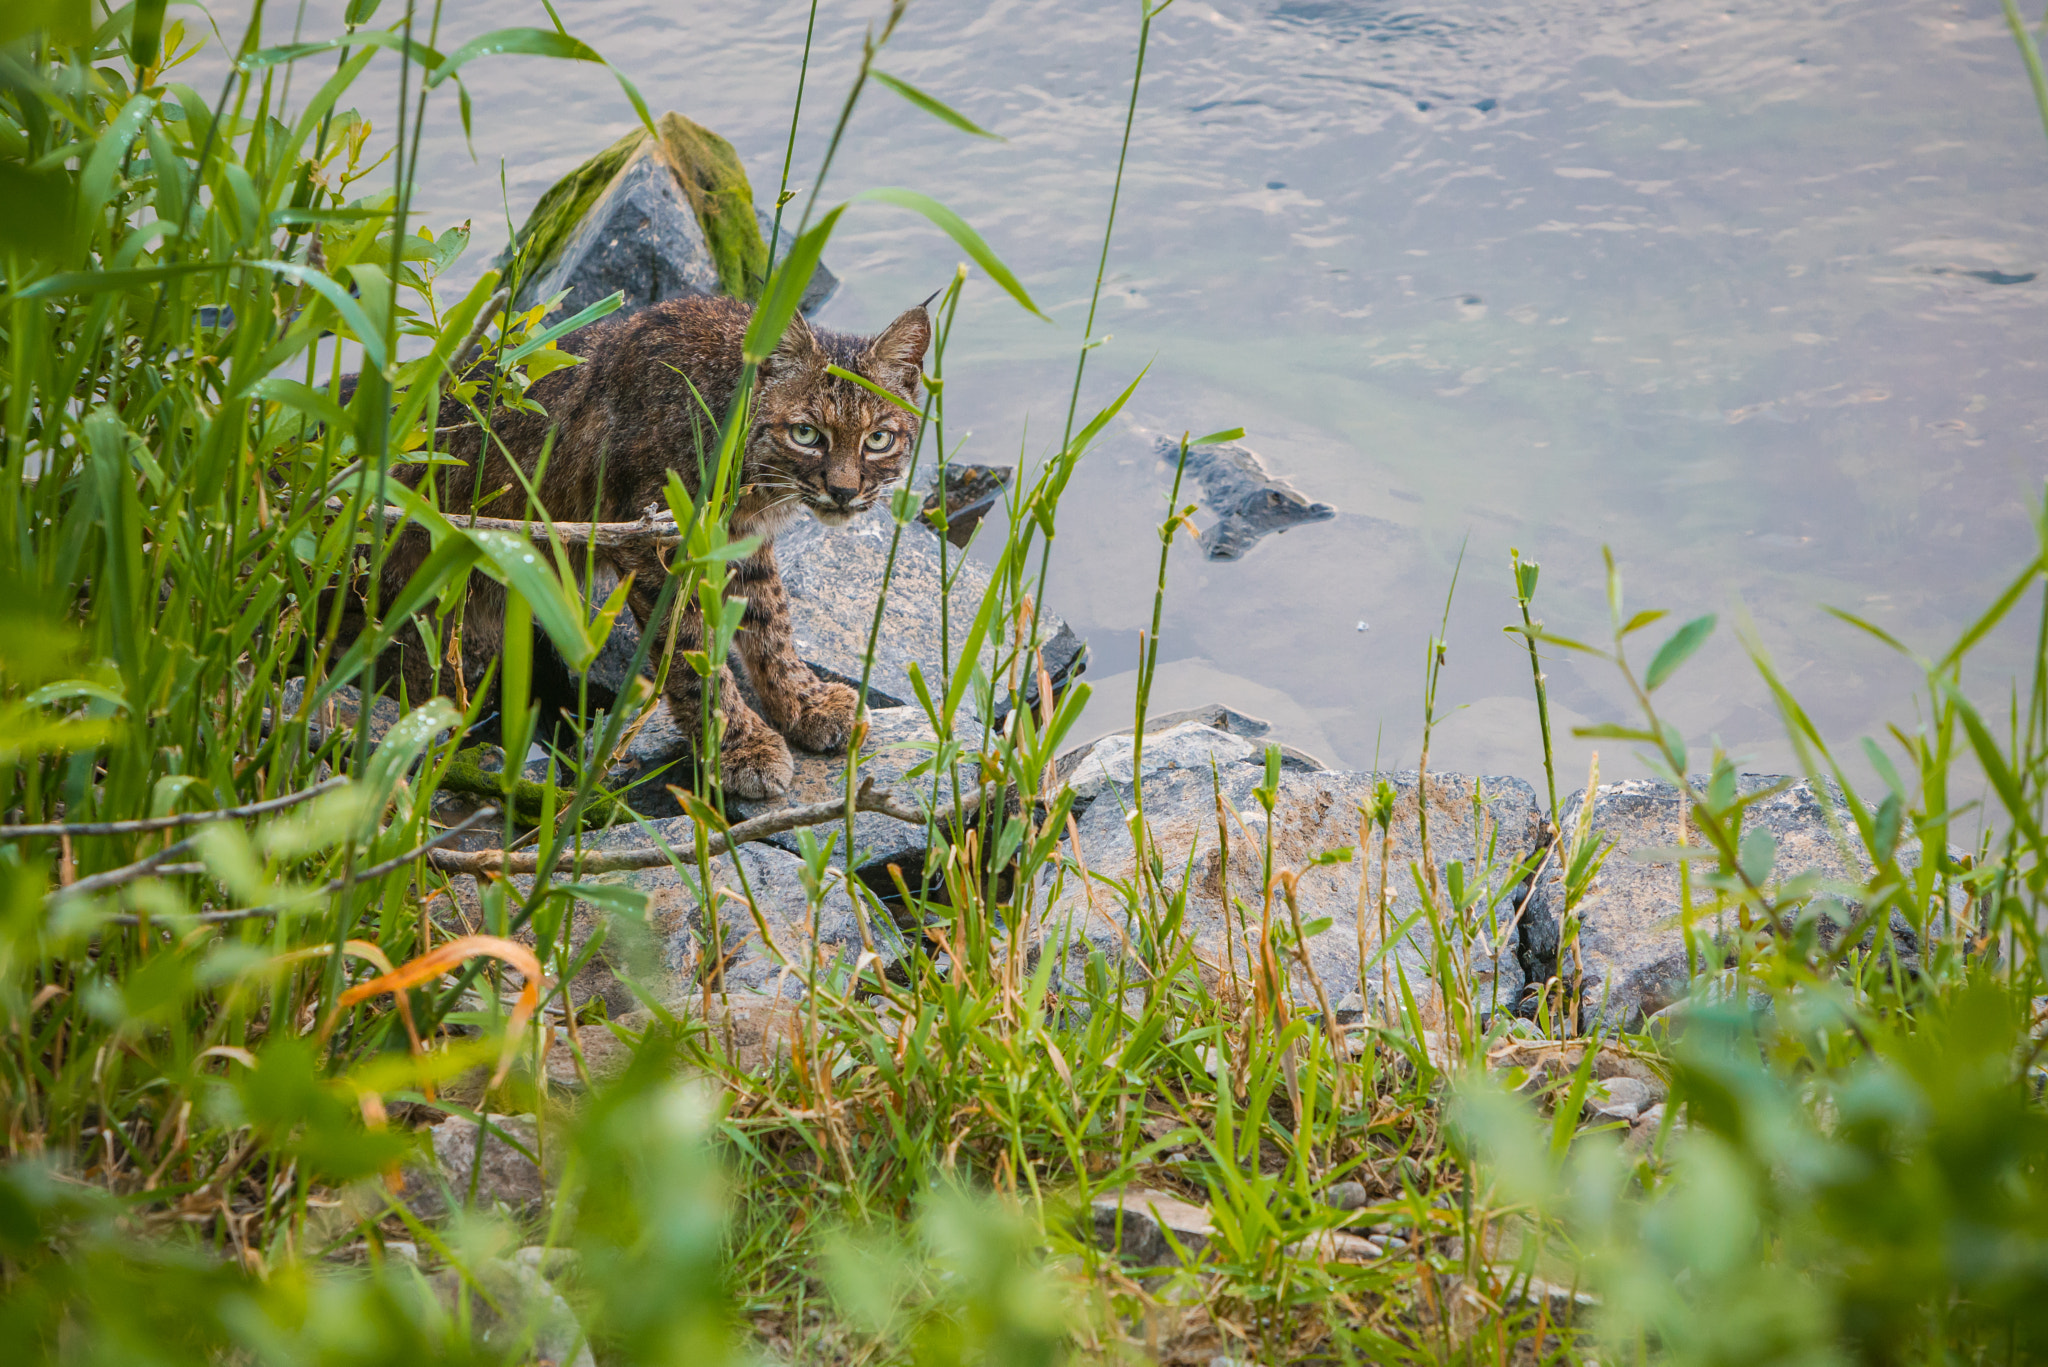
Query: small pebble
[[1363, 627]]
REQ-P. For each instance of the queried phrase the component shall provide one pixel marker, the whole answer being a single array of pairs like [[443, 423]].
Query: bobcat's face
[[823, 442]]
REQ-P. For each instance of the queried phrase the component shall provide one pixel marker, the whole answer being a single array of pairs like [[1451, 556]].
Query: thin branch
[[504, 862], [658, 532], [375, 871], [472, 345], [165, 823]]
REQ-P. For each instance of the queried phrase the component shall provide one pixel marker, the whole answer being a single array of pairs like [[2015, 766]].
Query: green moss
[[711, 177], [466, 774], [568, 200], [716, 182]]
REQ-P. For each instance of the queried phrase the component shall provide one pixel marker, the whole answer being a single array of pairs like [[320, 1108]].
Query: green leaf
[[1678, 650], [786, 288], [527, 42], [519, 561], [865, 383], [35, 209], [620, 899], [145, 36], [1227, 434], [1883, 765], [956, 228], [109, 153], [1553, 639], [1871, 627], [351, 310], [933, 107], [1611, 731], [584, 317], [69, 22], [371, 38], [1758, 855], [1643, 619], [301, 398]]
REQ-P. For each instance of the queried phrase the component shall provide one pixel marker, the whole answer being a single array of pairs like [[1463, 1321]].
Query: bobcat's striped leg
[[753, 760], [816, 714]]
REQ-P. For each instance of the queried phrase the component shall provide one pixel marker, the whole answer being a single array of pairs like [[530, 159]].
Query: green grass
[[201, 1112]]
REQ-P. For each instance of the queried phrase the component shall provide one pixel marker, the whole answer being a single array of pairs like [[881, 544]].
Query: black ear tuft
[[897, 352]]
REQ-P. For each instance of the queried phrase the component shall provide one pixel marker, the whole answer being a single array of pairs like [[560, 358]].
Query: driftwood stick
[[165, 823], [502, 862], [335, 885], [651, 532]]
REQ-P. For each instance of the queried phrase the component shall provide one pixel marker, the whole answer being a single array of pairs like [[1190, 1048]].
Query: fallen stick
[[165, 823], [651, 531], [503, 862], [333, 885]]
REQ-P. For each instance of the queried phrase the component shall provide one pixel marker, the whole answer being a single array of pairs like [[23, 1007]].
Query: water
[[1744, 291]]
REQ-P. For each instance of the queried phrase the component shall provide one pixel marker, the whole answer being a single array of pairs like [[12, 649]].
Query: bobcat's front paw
[[756, 764], [826, 722]]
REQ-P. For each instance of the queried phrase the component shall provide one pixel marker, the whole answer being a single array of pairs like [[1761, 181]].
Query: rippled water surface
[[1745, 291]]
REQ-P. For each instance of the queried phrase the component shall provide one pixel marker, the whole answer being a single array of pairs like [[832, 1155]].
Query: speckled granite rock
[[658, 755], [1185, 739], [683, 933], [1630, 941], [833, 576], [1313, 814]]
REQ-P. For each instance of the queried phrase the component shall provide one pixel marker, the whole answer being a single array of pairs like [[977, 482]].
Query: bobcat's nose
[[843, 495]]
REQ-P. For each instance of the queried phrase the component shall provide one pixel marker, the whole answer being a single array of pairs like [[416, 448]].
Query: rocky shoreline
[[653, 217]]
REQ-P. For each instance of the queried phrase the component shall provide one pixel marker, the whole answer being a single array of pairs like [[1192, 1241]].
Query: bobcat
[[628, 415]]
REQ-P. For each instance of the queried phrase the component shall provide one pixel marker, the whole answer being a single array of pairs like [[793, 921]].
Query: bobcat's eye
[[879, 441], [803, 434]]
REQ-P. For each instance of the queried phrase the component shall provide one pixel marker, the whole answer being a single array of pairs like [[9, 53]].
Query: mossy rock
[[711, 177], [466, 774]]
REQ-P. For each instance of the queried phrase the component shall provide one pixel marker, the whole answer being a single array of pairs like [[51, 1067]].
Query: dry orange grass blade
[[434, 963]]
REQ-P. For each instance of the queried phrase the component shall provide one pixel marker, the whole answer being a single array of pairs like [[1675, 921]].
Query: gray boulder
[[1315, 813], [898, 740], [723, 945], [1631, 943], [503, 1174], [642, 237], [1185, 739], [513, 1309], [1247, 501], [833, 577]]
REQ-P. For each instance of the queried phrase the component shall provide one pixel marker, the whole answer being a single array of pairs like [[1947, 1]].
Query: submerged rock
[[654, 218], [972, 492], [1247, 500], [1631, 943], [1315, 813]]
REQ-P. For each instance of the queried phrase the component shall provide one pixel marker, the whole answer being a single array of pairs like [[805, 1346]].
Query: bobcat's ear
[[897, 353], [797, 352]]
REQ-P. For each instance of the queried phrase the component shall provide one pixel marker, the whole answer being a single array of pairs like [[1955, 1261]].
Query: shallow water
[[1745, 291]]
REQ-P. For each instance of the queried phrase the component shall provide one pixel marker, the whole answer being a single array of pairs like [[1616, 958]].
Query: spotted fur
[[645, 401]]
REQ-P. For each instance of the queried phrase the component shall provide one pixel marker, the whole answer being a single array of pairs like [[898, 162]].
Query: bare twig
[[375, 871], [651, 532], [472, 345], [503, 862], [127, 873], [165, 823]]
